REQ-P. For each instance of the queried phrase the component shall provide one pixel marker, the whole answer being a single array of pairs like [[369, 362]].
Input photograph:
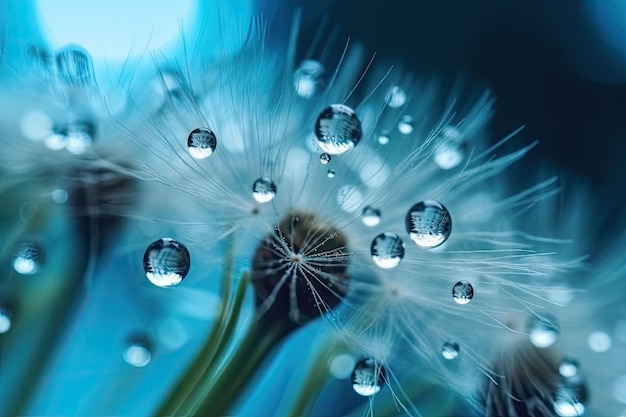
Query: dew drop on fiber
[[264, 190], [370, 216], [450, 350], [201, 143], [462, 292], [429, 224], [387, 250], [368, 377], [166, 262], [338, 129], [543, 330]]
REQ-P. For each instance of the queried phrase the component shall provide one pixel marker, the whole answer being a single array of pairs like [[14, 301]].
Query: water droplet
[[166, 262], [59, 196], [429, 224], [569, 399], [201, 142], [406, 124], [599, 342], [338, 129], [308, 79], [387, 250], [462, 292], [138, 351], [325, 158], [568, 367], [74, 66], [75, 137], [450, 151], [542, 330], [396, 97], [264, 190], [330, 173], [6, 317], [384, 137], [27, 258], [450, 350], [370, 216], [368, 377]]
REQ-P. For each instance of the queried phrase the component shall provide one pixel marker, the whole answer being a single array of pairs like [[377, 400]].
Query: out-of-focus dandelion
[[336, 187]]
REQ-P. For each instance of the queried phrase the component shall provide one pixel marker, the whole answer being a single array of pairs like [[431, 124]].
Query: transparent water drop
[[383, 137], [166, 262], [542, 330], [450, 151], [568, 367], [368, 377], [338, 129], [370, 216], [325, 158], [599, 342], [74, 66], [429, 224], [396, 97], [450, 350], [462, 292], [308, 79], [387, 250], [6, 317], [569, 399], [406, 124], [330, 173], [264, 190], [27, 258], [138, 351], [201, 143]]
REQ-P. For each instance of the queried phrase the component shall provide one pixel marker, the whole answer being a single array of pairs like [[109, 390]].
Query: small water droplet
[[201, 143], [450, 150], [6, 317], [396, 97], [370, 216], [368, 377], [542, 330], [27, 258], [568, 367], [325, 158], [338, 129], [74, 66], [462, 292], [308, 79], [429, 224], [138, 352], [387, 250], [383, 137], [406, 124], [450, 350], [166, 262], [330, 173], [264, 190]]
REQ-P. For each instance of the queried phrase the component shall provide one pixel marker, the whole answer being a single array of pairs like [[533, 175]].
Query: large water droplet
[[27, 258], [396, 97], [406, 124], [201, 143], [450, 350], [6, 317], [308, 79], [368, 377], [74, 66], [325, 158], [264, 190], [450, 150], [166, 262], [462, 292], [370, 216], [568, 367], [542, 330], [429, 224], [387, 250], [338, 129], [138, 351]]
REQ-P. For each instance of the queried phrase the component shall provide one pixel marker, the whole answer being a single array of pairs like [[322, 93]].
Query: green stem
[[264, 334]]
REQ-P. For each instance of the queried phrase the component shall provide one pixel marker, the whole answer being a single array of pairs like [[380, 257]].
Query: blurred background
[[557, 67]]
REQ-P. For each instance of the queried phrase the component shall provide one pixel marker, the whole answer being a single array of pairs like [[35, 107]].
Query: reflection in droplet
[[201, 143], [387, 250], [429, 224], [264, 190], [338, 129], [368, 377], [462, 292], [166, 262]]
